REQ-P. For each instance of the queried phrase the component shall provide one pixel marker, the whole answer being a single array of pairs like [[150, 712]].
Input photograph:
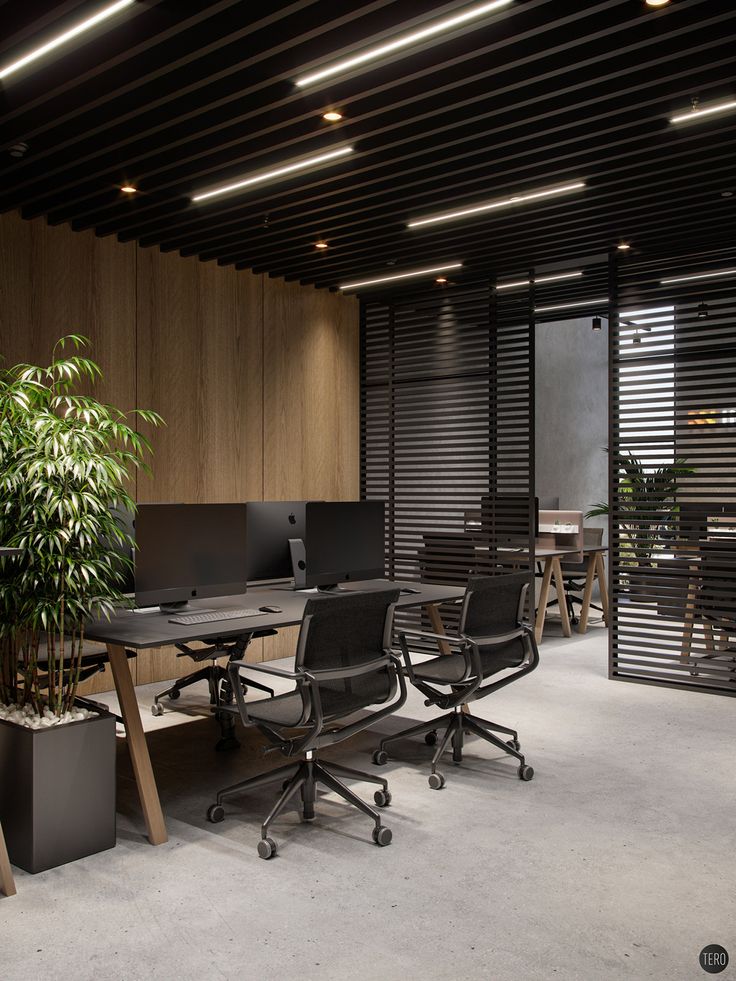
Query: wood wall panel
[[257, 379], [311, 399]]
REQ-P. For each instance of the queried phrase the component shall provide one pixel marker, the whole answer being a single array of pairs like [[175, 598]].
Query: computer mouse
[[270, 609]]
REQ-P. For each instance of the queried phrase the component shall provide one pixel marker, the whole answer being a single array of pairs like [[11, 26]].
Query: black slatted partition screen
[[673, 472], [447, 430]]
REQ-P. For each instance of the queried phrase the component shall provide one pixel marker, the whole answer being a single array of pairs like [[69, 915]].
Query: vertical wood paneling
[[311, 402], [258, 380]]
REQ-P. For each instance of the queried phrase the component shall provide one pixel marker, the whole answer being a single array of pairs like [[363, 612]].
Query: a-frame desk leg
[[7, 882], [137, 746]]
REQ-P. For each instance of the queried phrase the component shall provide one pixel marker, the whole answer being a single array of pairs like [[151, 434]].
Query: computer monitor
[[270, 525], [189, 551], [344, 542]]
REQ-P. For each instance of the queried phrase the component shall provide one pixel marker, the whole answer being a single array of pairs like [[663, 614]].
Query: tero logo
[[713, 959]]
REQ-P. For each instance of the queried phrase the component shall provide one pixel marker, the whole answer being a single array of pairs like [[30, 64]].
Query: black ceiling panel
[[179, 97]]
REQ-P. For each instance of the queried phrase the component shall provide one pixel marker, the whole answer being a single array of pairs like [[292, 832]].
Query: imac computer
[[270, 525], [344, 543], [188, 551]]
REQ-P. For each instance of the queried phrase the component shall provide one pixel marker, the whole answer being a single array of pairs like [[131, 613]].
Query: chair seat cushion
[[286, 710], [448, 669]]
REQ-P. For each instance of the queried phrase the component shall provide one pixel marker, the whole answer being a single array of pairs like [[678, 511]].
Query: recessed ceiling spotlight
[[726, 194], [697, 113], [268, 175], [403, 41], [321, 244], [404, 275], [497, 203], [702, 310], [441, 279], [19, 149], [332, 116], [60, 39], [657, 3], [128, 189], [597, 324], [623, 246]]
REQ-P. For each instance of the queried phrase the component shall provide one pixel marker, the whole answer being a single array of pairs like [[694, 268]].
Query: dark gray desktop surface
[[4, 550], [143, 630]]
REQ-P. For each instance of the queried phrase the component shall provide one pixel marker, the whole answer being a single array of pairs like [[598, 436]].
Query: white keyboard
[[213, 616]]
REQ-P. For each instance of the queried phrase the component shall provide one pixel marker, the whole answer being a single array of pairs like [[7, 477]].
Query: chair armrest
[[448, 638], [279, 672], [334, 674], [492, 639]]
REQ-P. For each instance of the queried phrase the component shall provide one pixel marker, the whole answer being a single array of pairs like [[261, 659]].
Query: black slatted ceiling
[[181, 96], [673, 368]]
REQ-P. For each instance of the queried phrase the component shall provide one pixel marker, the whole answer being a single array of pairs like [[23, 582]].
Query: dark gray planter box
[[57, 791]]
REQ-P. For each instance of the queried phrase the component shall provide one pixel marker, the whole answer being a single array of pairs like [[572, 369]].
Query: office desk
[[551, 556], [143, 631]]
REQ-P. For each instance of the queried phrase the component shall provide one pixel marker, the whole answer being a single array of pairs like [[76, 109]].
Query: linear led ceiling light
[[60, 39], [707, 275], [580, 303], [268, 175], [404, 41], [406, 275], [697, 113], [498, 203], [539, 279]]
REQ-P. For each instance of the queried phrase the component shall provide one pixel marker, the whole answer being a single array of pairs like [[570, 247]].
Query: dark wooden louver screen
[[673, 556], [447, 412]]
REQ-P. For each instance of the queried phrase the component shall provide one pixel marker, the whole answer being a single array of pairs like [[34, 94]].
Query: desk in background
[[143, 632]]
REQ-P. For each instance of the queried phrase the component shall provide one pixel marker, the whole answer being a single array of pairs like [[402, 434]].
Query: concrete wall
[[572, 414]]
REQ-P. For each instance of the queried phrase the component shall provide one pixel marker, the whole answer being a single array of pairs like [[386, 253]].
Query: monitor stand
[[182, 606]]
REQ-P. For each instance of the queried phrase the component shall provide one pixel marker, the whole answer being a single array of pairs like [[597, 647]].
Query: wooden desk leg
[[543, 600], [137, 746], [587, 594], [561, 597], [689, 623], [7, 883], [438, 626], [600, 571]]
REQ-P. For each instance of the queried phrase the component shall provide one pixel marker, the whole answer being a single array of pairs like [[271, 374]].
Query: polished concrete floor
[[616, 861]]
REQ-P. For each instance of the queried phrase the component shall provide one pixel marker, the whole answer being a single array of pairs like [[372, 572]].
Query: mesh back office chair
[[574, 572], [344, 664], [492, 637], [715, 600]]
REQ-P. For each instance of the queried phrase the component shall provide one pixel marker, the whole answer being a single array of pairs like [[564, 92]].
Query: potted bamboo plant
[[65, 465]]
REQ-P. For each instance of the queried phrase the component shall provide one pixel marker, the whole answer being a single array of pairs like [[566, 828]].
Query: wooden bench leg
[[543, 600], [587, 595], [7, 882], [137, 746]]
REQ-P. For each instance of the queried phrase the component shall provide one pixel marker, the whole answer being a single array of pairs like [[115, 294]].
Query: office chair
[[492, 637], [573, 572], [92, 663], [217, 678], [715, 601], [344, 664]]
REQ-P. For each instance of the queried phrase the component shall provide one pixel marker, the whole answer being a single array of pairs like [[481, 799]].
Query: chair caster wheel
[[157, 710], [174, 694], [382, 798], [431, 739], [267, 848], [436, 781], [526, 772], [215, 813], [382, 836], [380, 757], [514, 744]]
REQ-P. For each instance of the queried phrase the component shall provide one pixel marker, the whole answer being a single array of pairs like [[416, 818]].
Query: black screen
[[344, 541], [189, 550], [270, 526]]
